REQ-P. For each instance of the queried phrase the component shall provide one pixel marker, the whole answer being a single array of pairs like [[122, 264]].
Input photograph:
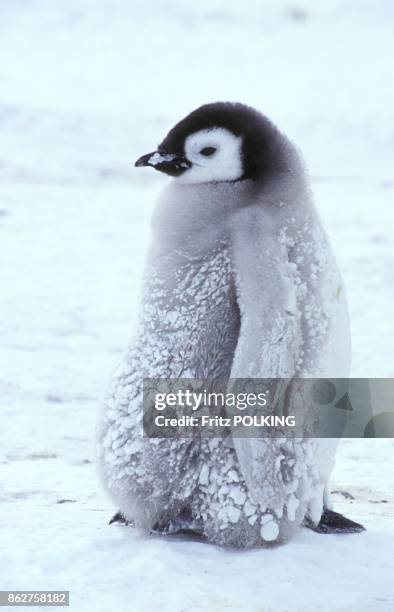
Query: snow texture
[[84, 93]]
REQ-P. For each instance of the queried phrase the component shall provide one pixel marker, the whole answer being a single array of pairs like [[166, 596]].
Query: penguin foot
[[333, 522], [183, 523], [120, 518]]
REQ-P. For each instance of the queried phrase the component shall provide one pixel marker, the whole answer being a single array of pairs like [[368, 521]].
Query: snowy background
[[86, 87]]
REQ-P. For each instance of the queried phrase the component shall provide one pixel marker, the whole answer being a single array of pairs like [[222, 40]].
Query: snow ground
[[87, 87]]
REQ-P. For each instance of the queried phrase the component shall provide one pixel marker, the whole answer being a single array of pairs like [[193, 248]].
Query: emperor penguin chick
[[240, 282]]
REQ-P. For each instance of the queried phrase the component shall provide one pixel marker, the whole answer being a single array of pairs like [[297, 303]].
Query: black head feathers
[[263, 150]]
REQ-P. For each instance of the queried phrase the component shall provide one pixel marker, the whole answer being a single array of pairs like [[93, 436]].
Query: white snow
[[158, 158], [269, 531], [204, 475], [233, 514], [238, 496], [291, 506], [86, 88]]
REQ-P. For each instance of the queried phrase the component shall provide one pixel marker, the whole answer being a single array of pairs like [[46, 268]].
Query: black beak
[[169, 163]]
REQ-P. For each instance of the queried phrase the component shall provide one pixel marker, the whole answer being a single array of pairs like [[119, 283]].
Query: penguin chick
[[240, 282]]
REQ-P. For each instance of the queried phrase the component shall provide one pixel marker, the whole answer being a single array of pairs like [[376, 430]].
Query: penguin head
[[219, 142]]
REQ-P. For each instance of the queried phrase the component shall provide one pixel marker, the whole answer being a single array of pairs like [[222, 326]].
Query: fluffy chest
[[180, 292], [190, 316]]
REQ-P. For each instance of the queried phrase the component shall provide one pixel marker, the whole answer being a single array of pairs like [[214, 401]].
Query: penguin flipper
[[333, 522], [120, 518]]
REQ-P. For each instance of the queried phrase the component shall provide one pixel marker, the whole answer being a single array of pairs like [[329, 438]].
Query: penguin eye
[[207, 151]]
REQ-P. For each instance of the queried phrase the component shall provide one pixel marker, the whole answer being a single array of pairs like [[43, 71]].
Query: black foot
[[183, 523], [333, 522], [120, 519]]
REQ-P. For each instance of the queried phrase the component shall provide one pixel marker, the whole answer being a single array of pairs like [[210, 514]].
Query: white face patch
[[215, 156]]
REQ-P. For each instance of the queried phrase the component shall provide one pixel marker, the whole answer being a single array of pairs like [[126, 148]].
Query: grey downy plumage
[[240, 281]]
